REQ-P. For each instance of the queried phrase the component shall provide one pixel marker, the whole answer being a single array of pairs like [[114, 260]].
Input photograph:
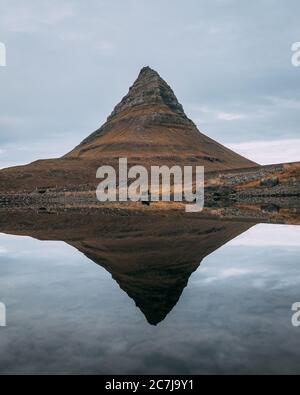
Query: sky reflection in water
[[65, 314]]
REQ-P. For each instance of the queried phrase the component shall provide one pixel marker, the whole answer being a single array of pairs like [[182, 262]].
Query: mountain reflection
[[151, 256]]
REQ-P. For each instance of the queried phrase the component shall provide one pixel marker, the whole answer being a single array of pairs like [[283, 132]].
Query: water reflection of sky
[[66, 314]]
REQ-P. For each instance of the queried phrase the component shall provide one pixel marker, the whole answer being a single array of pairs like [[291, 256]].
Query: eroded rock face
[[149, 90]]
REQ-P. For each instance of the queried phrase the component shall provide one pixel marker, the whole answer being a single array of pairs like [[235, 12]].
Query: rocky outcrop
[[269, 182], [149, 90]]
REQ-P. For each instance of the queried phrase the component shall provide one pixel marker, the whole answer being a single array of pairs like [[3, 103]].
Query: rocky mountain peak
[[149, 90], [149, 127]]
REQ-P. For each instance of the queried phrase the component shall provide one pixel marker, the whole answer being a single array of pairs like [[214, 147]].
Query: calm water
[[65, 314]]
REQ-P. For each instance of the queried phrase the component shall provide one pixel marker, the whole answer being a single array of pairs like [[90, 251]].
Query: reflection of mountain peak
[[152, 263], [155, 289], [150, 256]]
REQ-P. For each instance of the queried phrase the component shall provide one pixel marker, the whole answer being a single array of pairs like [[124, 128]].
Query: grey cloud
[[69, 64]]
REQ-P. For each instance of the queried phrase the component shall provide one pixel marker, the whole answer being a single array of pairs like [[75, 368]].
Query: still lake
[[66, 314]]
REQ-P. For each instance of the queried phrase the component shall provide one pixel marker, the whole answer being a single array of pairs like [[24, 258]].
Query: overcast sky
[[70, 62]]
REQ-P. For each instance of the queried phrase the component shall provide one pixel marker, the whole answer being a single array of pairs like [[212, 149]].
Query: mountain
[[148, 126], [150, 123]]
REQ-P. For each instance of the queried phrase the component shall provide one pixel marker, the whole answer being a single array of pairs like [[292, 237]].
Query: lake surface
[[66, 314]]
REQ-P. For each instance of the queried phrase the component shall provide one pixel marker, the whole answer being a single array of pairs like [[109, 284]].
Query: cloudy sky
[[229, 63]]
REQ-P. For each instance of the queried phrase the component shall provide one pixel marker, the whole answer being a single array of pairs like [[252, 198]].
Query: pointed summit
[[147, 72], [149, 89]]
